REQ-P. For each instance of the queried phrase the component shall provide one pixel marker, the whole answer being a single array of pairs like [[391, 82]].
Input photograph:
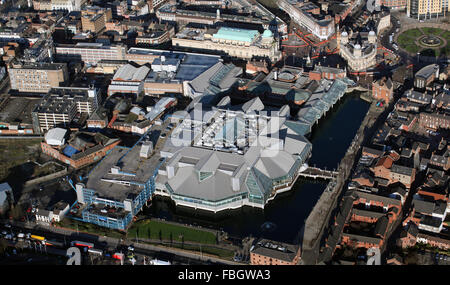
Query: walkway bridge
[[314, 172]]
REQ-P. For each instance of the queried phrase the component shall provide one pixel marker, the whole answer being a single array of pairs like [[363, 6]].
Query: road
[[395, 26], [175, 256]]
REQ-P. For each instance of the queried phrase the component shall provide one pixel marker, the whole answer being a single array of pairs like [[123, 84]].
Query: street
[[142, 253]]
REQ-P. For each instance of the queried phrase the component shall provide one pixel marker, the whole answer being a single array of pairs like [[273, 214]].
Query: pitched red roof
[[385, 161]]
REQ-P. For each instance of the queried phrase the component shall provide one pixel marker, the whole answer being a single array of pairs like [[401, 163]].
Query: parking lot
[[432, 258]]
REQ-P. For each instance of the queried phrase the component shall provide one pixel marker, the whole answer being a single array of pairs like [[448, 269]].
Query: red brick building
[[364, 181], [434, 241], [411, 120], [383, 89], [434, 121], [394, 4], [80, 156], [383, 166], [385, 169], [434, 195], [331, 73], [367, 151], [268, 252], [358, 241]]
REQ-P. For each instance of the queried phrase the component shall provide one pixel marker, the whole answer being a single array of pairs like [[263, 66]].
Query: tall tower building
[[426, 9]]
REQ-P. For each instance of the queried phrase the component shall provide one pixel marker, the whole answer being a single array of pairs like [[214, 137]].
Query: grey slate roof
[[402, 169], [372, 151], [381, 226], [424, 207]]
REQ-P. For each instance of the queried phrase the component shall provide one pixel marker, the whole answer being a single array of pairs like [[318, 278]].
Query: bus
[[54, 243], [95, 251], [82, 244], [159, 262], [37, 237]]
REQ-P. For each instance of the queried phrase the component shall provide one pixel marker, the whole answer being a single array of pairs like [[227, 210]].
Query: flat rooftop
[[102, 210], [275, 249], [18, 110], [61, 100], [187, 67], [39, 65], [428, 70], [102, 180], [134, 173]]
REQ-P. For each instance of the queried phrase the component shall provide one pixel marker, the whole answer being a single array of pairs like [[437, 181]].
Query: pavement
[[321, 214]]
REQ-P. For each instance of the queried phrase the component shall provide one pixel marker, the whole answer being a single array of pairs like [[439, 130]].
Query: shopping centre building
[[227, 157]]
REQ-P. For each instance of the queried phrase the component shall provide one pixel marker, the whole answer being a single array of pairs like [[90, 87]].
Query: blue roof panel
[[69, 151]]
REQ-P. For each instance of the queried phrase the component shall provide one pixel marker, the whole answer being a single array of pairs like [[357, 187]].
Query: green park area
[[161, 234], [410, 41], [159, 230]]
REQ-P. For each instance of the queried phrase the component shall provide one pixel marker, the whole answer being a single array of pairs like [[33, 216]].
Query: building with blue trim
[[118, 187]]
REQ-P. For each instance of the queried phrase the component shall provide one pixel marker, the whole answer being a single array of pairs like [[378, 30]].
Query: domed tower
[[357, 50], [341, 39], [344, 38], [267, 37], [372, 37]]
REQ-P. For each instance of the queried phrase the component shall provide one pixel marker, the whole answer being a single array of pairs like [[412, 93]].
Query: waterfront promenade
[[318, 220]]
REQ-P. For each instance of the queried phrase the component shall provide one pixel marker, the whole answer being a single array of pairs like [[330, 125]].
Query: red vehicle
[[118, 256], [82, 244]]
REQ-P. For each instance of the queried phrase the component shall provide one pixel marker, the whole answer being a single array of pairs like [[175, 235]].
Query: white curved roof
[[130, 73], [55, 136]]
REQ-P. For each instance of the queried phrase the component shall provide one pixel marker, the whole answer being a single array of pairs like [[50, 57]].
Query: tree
[[412, 257], [182, 241], [160, 235], [171, 238], [3, 246], [149, 233]]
